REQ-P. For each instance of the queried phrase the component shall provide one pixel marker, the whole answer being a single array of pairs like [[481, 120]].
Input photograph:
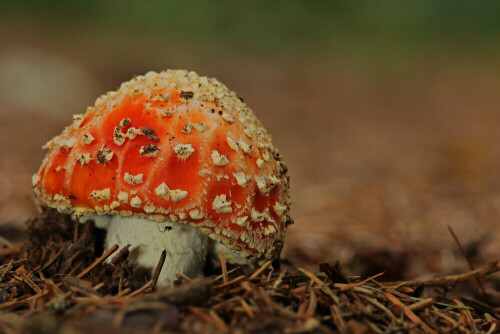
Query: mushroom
[[172, 161]]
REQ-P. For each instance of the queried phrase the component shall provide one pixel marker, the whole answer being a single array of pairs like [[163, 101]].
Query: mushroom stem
[[186, 246]]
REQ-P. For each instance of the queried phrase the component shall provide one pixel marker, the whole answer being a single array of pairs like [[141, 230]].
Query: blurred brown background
[[387, 114]]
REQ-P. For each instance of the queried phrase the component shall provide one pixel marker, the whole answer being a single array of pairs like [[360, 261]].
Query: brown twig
[[182, 277], [467, 258], [409, 313], [141, 289], [75, 230], [422, 304], [52, 259], [158, 268], [223, 266], [467, 318], [231, 282], [121, 255], [7, 269], [221, 276], [489, 269], [98, 261], [260, 270]]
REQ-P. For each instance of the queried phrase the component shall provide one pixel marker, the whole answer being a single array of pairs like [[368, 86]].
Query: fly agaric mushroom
[[171, 161]]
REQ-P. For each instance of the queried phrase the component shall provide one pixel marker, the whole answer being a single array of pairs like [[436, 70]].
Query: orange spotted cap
[[173, 146]]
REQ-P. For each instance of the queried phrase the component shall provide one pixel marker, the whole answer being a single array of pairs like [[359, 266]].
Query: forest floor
[[382, 164]]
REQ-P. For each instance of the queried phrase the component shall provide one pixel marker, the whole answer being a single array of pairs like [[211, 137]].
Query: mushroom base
[[187, 247]]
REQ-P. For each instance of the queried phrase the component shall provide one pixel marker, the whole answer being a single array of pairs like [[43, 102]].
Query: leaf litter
[[59, 282]]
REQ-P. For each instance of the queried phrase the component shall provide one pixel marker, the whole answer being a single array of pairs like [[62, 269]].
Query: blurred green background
[[289, 31], [386, 112]]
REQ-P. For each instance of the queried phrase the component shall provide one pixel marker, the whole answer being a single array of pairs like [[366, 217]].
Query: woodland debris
[[59, 283]]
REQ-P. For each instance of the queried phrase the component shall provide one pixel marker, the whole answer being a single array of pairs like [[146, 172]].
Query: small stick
[[489, 269], [14, 263], [278, 281], [123, 253], [199, 313], [348, 286], [265, 297], [223, 265], [228, 272], [182, 277], [246, 307], [337, 319], [471, 266], [231, 282], [220, 323], [21, 300], [312, 277], [375, 302], [26, 279], [467, 318], [75, 268], [98, 286], [53, 259], [269, 275], [75, 230], [230, 301], [373, 326], [123, 292], [98, 261], [141, 289], [120, 283], [454, 323], [247, 286], [421, 304], [260, 270], [313, 303], [409, 313], [158, 268], [50, 283], [324, 287], [9, 266]]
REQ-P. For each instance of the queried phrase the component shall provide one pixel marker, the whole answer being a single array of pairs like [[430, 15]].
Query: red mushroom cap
[[173, 146]]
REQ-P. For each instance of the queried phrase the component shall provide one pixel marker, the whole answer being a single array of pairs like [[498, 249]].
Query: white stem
[[186, 246]]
